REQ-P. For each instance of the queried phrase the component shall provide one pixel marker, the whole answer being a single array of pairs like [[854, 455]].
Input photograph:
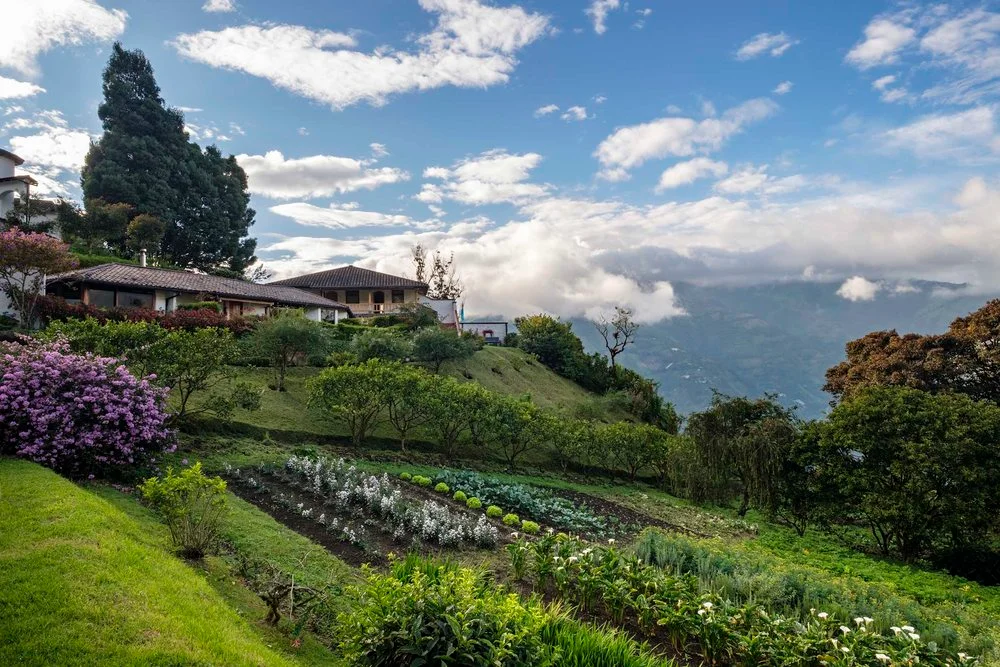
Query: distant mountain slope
[[777, 338]]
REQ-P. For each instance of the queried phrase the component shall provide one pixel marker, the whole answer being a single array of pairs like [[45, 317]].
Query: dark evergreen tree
[[144, 159]]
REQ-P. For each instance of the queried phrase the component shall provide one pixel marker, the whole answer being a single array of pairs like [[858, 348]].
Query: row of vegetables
[[608, 583]]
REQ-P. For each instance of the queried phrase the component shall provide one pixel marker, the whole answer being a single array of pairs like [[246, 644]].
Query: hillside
[[503, 370], [82, 583], [512, 371], [777, 338]]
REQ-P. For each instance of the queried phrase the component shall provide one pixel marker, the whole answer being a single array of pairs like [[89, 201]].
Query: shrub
[[379, 344], [192, 504], [511, 519], [435, 346], [423, 613], [405, 476], [205, 318], [202, 305], [460, 496], [494, 512], [78, 414], [420, 480], [473, 503], [441, 487], [284, 337], [530, 527]]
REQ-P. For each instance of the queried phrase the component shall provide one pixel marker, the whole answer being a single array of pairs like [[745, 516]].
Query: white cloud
[[378, 150], [32, 28], [755, 180], [884, 82], [774, 44], [219, 6], [884, 39], [783, 88], [338, 217], [570, 256], [968, 47], [633, 145], [598, 12], [600, 99], [546, 110], [489, 178], [966, 134], [576, 113], [685, 173], [11, 88], [472, 45], [858, 288], [888, 93], [53, 144], [272, 175]]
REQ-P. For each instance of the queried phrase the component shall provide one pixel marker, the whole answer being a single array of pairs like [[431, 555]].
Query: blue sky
[[573, 154]]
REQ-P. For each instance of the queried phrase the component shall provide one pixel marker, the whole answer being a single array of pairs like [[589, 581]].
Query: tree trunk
[[744, 504]]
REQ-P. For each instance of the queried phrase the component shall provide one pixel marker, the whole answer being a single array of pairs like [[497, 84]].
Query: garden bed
[[632, 519]]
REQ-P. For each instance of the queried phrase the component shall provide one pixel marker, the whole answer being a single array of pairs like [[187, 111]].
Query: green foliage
[[917, 468], [145, 232], [460, 496], [796, 590], [405, 476], [25, 260], [584, 645], [534, 502], [407, 401], [434, 346], [552, 341], [201, 196], [530, 527], [474, 503], [379, 344], [740, 444], [420, 480], [193, 506], [632, 447], [441, 487], [137, 342], [511, 519], [424, 613], [355, 394], [201, 305], [284, 337]]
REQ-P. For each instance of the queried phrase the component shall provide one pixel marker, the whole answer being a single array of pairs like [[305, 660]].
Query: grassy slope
[[287, 412], [81, 582], [520, 374]]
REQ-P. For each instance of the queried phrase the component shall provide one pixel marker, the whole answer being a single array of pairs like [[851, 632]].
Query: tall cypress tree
[[144, 159]]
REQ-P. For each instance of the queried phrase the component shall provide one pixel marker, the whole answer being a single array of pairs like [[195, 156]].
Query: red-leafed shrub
[[200, 319], [56, 309]]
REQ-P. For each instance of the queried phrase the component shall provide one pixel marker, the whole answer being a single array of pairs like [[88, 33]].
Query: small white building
[[12, 185]]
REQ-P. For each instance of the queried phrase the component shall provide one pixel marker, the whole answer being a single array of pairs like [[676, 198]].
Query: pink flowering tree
[[78, 414], [25, 260]]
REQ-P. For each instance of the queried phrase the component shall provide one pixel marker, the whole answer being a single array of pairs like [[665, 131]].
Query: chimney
[[142, 257]]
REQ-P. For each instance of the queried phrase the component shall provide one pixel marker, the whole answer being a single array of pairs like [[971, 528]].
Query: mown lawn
[[83, 583]]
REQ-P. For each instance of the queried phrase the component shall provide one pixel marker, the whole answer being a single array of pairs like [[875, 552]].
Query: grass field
[[83, 583]]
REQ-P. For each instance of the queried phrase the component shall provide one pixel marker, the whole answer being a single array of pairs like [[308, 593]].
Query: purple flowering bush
[[78, 414]]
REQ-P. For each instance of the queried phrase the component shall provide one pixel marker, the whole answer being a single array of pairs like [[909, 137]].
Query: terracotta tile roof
[[148, 277], [351, 277]]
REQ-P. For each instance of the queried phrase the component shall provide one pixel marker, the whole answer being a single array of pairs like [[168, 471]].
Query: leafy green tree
[[144, 159], [551, 340], [521, 427], [145, 232], [357, 394], [436, 346], [283, 337], [573, 442], [740, 444], [446, 400], [633, 447], [802, 493], [195, 361], [407, 405], [382, 344], [918, 469], [99, 227], [193, 506]]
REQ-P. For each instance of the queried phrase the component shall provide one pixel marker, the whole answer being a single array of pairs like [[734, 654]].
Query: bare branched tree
[[617, 333]]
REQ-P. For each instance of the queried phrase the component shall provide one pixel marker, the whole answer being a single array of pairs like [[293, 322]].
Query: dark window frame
[[398, 296], [352, 296]]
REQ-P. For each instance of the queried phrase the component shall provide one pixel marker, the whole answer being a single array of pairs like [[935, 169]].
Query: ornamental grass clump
[[79, 414]]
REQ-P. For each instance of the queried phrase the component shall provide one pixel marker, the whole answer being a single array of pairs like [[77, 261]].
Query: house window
[[332, 296], [397, 296], [135, 300], [353, 296], [378, 297], [102, 298]]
